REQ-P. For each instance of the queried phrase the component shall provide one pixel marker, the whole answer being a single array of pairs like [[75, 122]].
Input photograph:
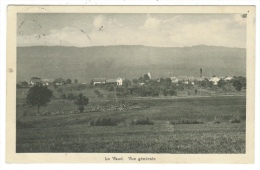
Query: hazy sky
[[164, 30]]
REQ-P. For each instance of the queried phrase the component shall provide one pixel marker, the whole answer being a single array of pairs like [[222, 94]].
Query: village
[[178, 80], [108, 94]]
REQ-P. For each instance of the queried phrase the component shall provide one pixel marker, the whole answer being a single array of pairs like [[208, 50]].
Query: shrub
[[98, 93], [59, 90], [235, 120], [70, 96], [110, 88], [185, 121], [63, 96], [142, 121], [102, 122]]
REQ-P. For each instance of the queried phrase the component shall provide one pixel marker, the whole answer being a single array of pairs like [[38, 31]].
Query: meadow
[[179, 125]]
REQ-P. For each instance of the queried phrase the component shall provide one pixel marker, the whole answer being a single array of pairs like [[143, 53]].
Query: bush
[[185, 121], [70, 96], [110, 88], [235, 120], [142, 121], [102, 122], [59, 90], [63, 96], [98, 93]]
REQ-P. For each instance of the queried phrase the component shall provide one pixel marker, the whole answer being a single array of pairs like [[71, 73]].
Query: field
[[179, 125]]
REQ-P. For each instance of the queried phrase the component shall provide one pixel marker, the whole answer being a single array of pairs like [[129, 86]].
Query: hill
[[128, 61]]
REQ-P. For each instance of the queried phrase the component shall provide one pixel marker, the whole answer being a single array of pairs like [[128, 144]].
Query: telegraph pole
[[115, 94], [200, 79]]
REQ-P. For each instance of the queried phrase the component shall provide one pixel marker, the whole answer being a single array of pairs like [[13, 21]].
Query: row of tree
[[40, 96], [237, 83], [25, 84]]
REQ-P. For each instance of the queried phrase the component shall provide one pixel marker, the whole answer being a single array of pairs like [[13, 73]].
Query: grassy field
[[215, 132]]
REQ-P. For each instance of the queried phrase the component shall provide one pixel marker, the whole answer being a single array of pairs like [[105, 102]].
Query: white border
[[3, 9]]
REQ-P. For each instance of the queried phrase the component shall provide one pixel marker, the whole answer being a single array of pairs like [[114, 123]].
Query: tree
[[92, 82], [140, 80], [68, 81], [126, 82], [221, 83], [76, 81], [39, 96], [172, 92], [135, 81], [165, 92], [63, 96], [81, 101], [237, 84], [24, 83], [146, 77], [167, 82]]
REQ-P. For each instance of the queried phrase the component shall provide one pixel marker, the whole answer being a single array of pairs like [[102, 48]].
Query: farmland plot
[[188, 125]]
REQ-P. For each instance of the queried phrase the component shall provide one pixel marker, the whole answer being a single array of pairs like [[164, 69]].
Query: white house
[[99, 81], [149, 75], [119, 81], [46, 82], [35, 80], [228, 78], [183, 79], [214, 80], [174, 80]]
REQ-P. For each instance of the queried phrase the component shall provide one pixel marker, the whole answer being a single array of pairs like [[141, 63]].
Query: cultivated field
[[177, 125]]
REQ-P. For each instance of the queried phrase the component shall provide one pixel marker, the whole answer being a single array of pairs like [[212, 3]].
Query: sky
[[158, 30]]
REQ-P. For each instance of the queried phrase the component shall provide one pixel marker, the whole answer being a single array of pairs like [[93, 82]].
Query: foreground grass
[[72, 133], [228, 138]]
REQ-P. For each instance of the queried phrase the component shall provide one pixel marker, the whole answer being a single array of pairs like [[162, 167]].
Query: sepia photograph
[[142, 83]]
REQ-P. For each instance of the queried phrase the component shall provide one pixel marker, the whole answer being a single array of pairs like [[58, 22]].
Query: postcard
[[130, 84]]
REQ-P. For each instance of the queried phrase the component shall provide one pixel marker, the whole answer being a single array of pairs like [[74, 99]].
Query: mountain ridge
[[126, 61]]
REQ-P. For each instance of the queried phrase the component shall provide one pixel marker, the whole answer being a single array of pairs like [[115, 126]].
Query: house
[[98, 81], [119, 81], [228, 78], [111, 81], [59, 82], [174, 80], [183, 79], [35, 80], [149, 75], [45, 82], [214, 80], [191, 80]]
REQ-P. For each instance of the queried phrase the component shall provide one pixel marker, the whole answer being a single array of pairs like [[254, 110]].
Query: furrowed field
[[152, 125]]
